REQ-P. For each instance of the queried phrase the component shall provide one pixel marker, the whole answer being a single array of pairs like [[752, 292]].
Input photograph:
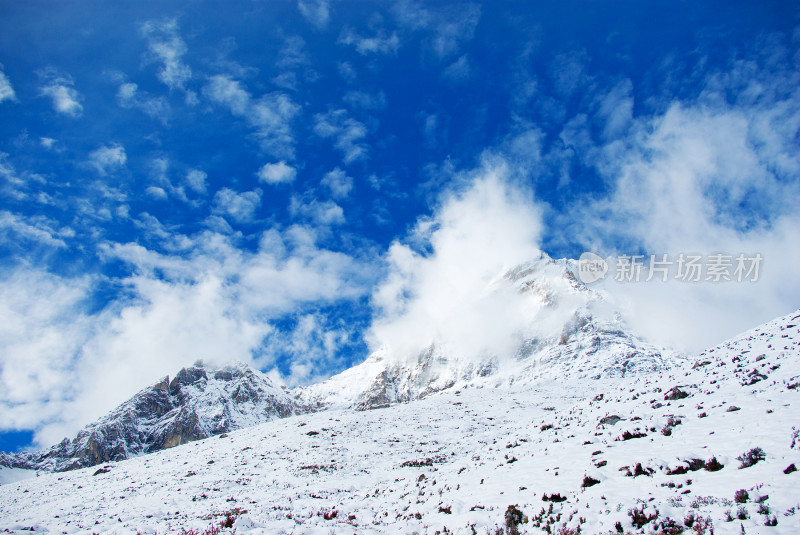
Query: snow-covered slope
[[568, 331], [641, 453], [199, 402]]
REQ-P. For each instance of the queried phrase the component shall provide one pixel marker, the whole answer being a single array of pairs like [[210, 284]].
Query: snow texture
[[650, 451]]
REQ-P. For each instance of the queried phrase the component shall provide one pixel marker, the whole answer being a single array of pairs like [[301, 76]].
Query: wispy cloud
[[381, 43], [196, 180], [6, 91], [19, 229], [458, 71], [59, 87], [293, 52], [348, 133], [239, 207], [129, 96], [317, 12], [271, 115], [324, 213], [366, 101], [448, 27], [14, 183], [338, 183], [166, 46], [108, 158]]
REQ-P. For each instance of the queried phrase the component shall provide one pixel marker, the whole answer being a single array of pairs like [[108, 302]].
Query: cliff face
[[198, 402]]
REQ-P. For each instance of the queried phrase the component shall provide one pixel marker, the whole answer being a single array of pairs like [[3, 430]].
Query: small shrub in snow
[[689, 519], [703, 526], [728, 516], [513, 518], [713, 465], [627, 435], [789, 469], [668, 527], [741, 513], [639, 470], [589, 481], [640, 518], [741, 496], [751, 457], [771, 521]]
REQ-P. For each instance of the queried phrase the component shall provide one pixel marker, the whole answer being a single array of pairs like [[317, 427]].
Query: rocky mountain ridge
[[200, 401]]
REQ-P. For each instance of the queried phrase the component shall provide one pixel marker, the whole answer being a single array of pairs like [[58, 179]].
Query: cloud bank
[[440, 282]]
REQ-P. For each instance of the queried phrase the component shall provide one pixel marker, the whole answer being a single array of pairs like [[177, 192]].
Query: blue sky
[[250, 180]]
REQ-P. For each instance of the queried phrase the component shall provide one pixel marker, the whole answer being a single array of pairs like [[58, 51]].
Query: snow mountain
[[710, 445], [200, 401], [566, 330]]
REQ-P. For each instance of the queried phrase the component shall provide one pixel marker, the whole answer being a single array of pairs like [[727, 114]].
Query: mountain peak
[[200, 401]]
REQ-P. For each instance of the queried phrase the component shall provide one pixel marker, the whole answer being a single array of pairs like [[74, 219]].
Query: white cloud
[[456, 27], [713, 175], [317, 12], [210, 300], [59, 87], [166, 46], [694, 182], [129, 96], [458, 71], [47, 142], [338, 183], [16, 184], [6, 91], [156, 193], [270, 115], [196, 180], [448, 27], [42, 327], [321, 213], [19, 230], [437, 288], [277, 173], [378, 44], [365, 101], [346, 131], [293, 52], [240, 207], [347, 71], [108, 158]]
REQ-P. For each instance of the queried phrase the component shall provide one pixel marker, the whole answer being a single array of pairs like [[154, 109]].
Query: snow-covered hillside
[[711, 441], [566, 330], [199, 402]]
